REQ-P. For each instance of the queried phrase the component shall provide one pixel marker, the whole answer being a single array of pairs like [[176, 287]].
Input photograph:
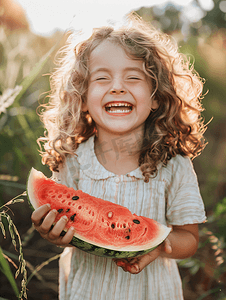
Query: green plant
[[18, 124], [6, 221]]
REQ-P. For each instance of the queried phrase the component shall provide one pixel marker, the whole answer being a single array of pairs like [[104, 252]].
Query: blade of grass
[[8, 273], [26, 83], [45, 263], [33, 74]]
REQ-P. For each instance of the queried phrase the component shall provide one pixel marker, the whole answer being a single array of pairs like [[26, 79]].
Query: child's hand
[[43, 219], [137, 264]]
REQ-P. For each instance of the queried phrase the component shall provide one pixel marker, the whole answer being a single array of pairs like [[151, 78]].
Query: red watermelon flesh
[[96, 221]]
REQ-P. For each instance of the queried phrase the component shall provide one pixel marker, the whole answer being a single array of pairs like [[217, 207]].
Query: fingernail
[[136, 268], [72, 229], [48, 205], [64, 218]]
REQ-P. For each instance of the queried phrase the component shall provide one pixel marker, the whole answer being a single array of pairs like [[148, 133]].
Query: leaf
[[8, 97], [7, 272], [33, 74]]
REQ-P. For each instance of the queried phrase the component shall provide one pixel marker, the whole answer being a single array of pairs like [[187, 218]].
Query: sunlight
[[46, 16]]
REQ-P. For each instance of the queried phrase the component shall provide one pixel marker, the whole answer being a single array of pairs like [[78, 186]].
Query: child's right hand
[[43, 219]]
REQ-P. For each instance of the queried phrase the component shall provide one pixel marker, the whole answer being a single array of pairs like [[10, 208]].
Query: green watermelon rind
[[105, 252], [96, 249]]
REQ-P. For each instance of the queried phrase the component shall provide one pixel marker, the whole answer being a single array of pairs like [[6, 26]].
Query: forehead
[[110, 54]]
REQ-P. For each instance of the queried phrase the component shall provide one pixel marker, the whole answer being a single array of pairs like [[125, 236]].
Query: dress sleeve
[[68, 172], [184, 202]]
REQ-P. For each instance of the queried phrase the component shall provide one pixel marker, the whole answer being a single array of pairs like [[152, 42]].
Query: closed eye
[[101, 78], [134, 78]]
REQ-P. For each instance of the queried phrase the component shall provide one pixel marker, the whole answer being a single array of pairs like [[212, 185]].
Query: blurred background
[[31, 32]]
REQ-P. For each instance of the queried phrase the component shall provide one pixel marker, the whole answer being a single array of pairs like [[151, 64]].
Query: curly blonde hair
[[176, 127]]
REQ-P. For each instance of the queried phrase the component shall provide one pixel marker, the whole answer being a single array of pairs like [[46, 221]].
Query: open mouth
[[118, 108]]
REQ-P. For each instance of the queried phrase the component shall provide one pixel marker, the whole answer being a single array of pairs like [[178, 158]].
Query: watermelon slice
[[102, 227]]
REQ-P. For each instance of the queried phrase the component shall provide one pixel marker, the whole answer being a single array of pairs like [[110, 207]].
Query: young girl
[[123, 121]]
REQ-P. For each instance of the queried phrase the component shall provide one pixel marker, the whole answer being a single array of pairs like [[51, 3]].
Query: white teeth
[[119, 104], [120, 111], [118, 107]]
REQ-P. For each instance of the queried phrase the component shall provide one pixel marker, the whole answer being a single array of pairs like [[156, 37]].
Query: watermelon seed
[[62, 233], [75, 197], [127, 237], [113, 225], [67, 210], [136, 221], [60, 210], [73, 217], [124, 225], [110, 214]]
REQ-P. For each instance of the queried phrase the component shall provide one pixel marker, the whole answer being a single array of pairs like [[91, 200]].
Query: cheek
[[94, 97]]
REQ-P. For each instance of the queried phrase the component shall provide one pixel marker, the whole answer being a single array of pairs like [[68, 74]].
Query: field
[[22, 88]]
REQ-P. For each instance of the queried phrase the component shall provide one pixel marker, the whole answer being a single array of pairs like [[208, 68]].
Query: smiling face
[[119, 92]]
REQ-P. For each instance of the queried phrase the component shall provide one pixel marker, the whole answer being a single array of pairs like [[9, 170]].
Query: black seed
[[67, 210], [75, 197], [60, 210], [127, 237], [136, 221], [129, 230], [72, 217], [62, 233], [113, 226]]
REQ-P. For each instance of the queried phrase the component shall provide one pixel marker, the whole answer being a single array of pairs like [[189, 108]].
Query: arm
[[181, 243], [184, 241]]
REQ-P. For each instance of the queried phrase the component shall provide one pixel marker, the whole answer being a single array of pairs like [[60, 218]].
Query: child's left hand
[[137, 264]]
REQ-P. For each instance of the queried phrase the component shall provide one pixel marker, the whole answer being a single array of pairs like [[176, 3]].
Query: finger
[[120, 263], [132, 260], [48, 221], [167, 246], [143, 261], [66, 239], [39, 213], [58, 228]]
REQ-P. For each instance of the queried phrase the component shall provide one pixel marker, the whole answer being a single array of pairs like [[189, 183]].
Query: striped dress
[[172, 197]]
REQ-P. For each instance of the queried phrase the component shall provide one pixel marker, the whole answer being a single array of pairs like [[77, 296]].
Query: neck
[[118, 153]]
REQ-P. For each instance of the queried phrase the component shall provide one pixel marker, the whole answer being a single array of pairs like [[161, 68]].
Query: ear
[[154, 104], [84, 107]]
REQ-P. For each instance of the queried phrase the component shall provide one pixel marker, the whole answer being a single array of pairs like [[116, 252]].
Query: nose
[[115, 91], [117, 88]]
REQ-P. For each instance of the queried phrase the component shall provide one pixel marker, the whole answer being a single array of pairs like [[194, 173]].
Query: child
[[123, 121]]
